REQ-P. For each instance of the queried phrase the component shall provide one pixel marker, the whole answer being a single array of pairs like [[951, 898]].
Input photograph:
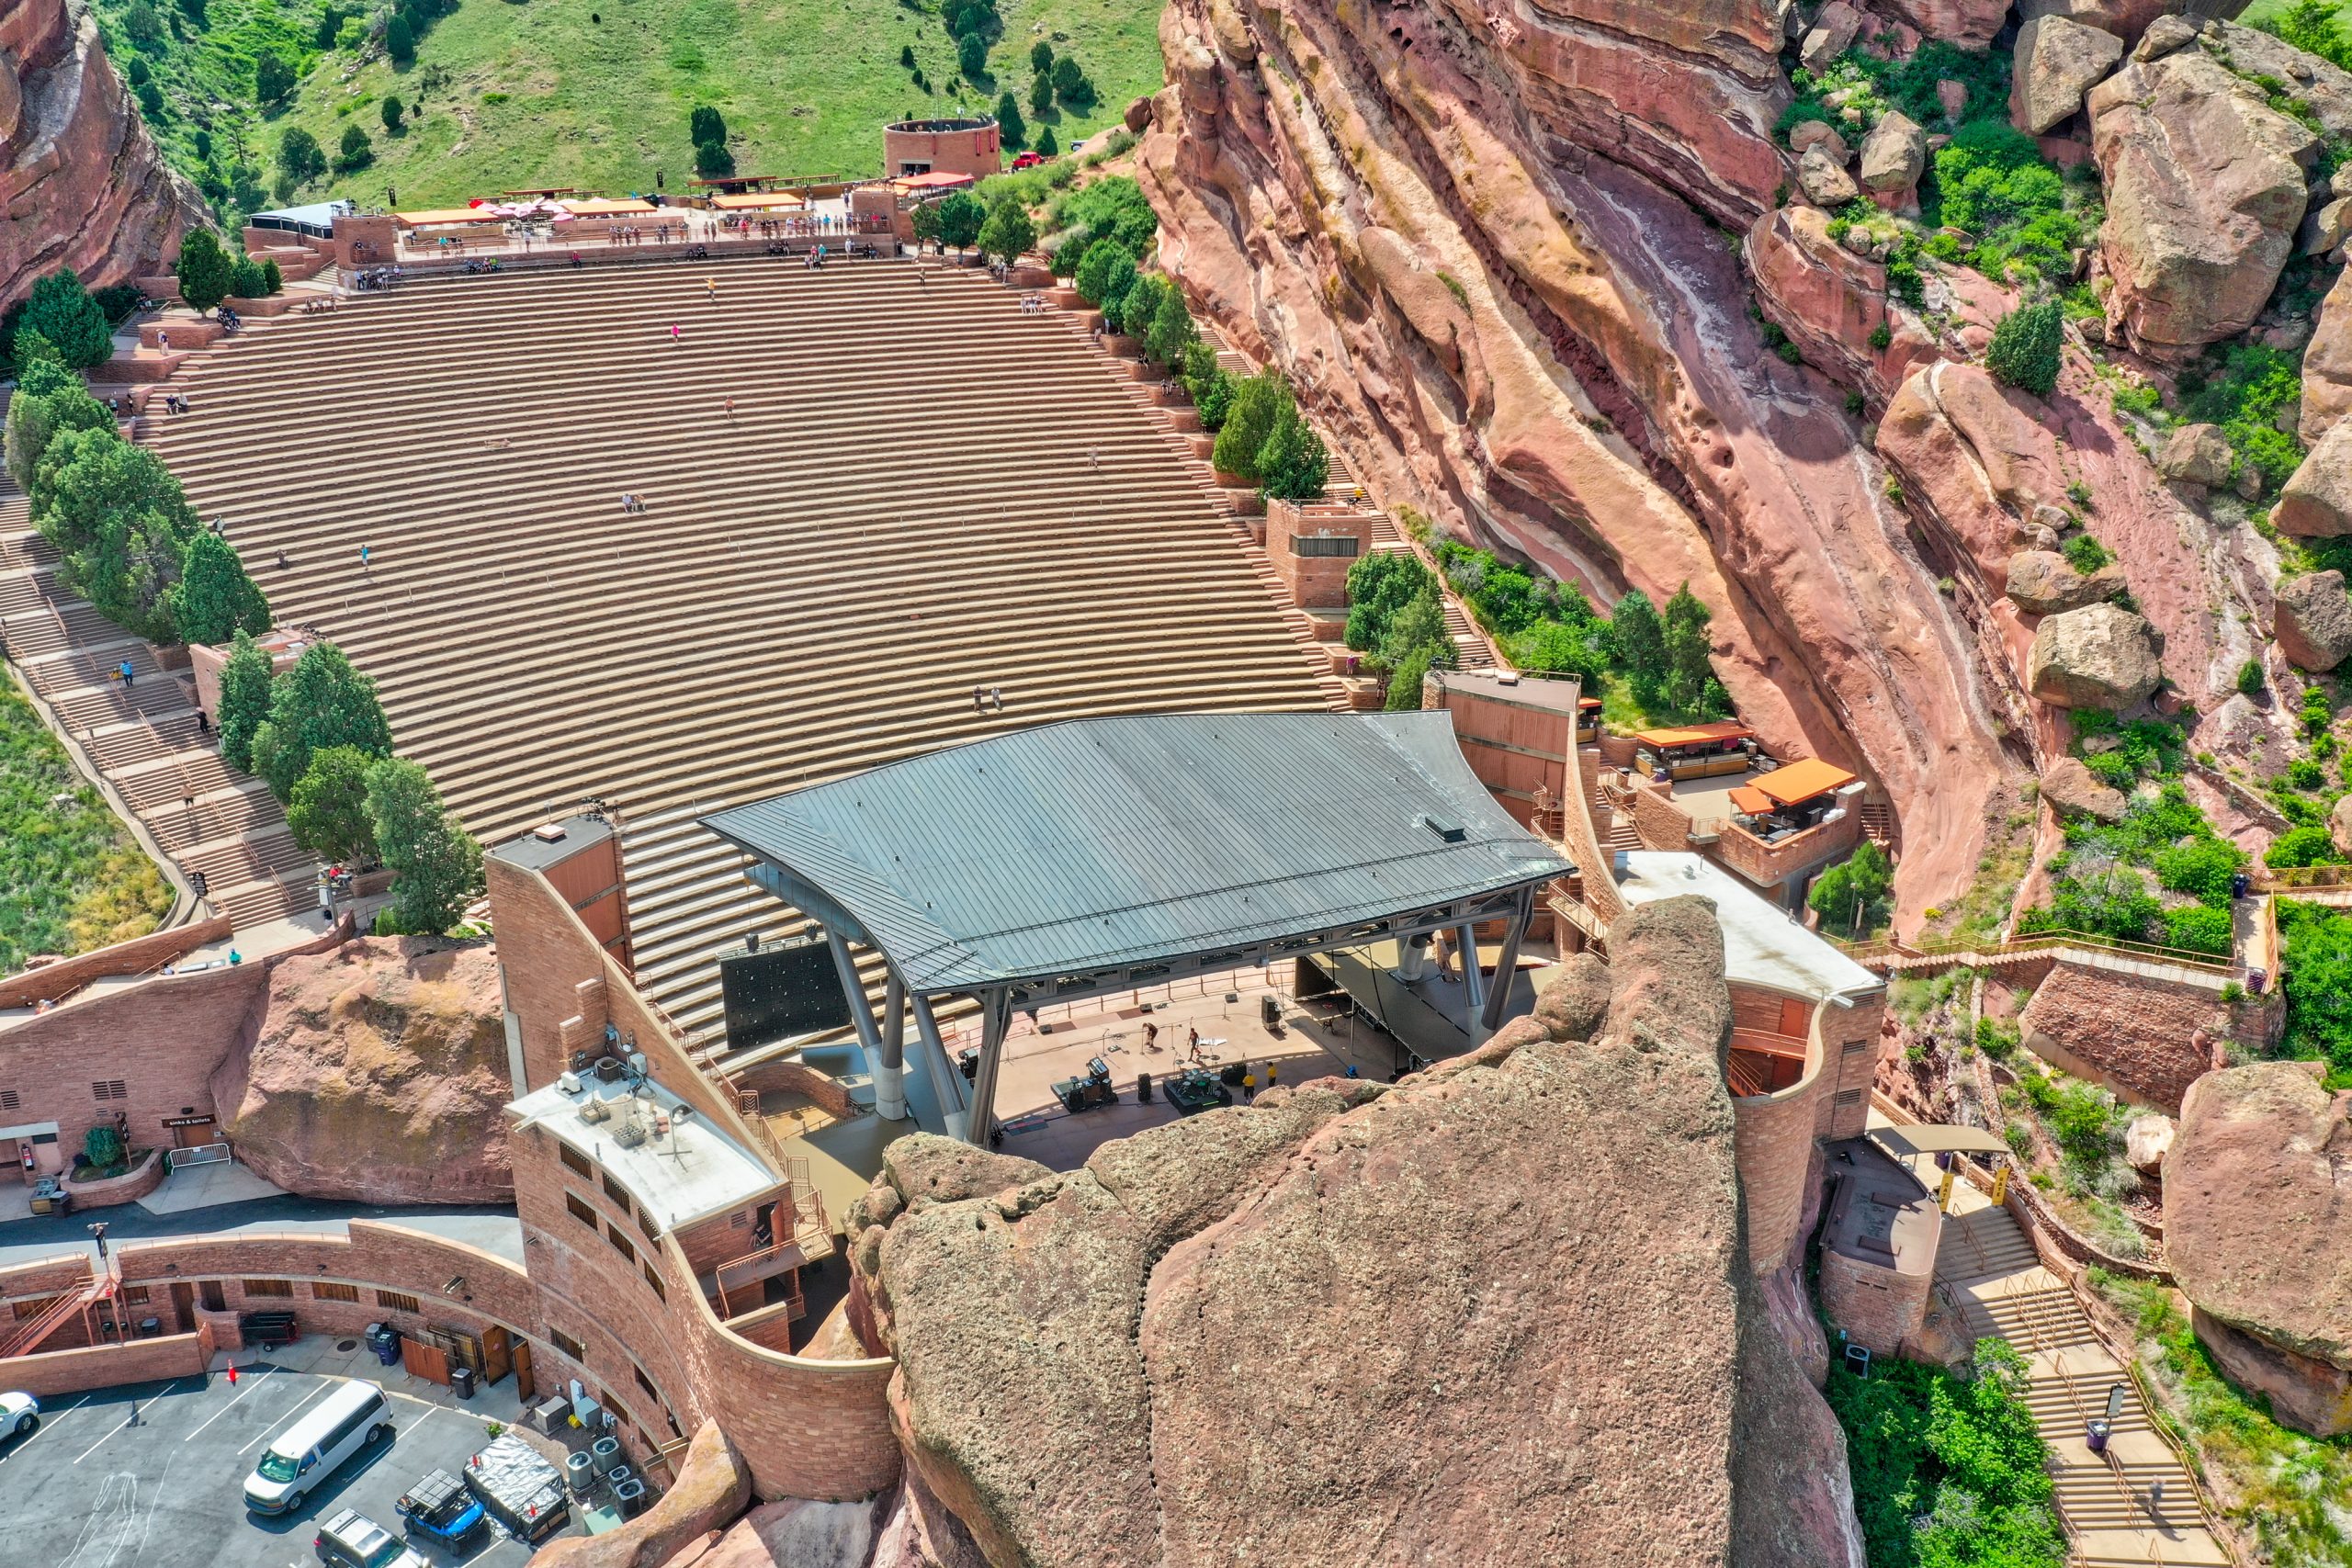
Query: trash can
[[2095, 1437], [461, 1382], [1143, 1088], [384, 1340]]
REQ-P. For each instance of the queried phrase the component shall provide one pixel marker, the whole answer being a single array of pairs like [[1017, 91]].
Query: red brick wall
[[55, 1373], [1314, 582], [1878, 1308], [133, 958], [2138, 1036], [161, 1037]]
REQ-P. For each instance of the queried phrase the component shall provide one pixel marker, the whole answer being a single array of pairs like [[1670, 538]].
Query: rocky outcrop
[[1172, 1355], [1972, 456], [2195, 455], [2256, 1188], [2098, 656], [1832, 34], [1895, 154], [2316, 500], [2318, 88], [2312, 619], [1971, 24], [377, 1073], [2058, 60], [2043, 582], [2146, 1039], [2205, 190], [82, 183], [1589, 395], [1824, 179], [1831, 302], [2073, 790], [2327, 363]]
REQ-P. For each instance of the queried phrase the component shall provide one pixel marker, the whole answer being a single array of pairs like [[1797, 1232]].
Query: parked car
[[352, 1539], [440, 1506], [353, 1417], [19, 1414]]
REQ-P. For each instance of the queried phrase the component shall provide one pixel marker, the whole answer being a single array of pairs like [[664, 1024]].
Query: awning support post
[[1473, 987], [890, 1061], [1522, 911], [946, 1083], [995, 1021]]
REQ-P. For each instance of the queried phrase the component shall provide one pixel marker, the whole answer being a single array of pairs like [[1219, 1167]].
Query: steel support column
[[1474, 989], [946, 1083], [890, 1065], [995, 1021], [1506, 962]]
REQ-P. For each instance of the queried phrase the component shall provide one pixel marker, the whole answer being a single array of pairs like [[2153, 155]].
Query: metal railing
[[2030, 942]]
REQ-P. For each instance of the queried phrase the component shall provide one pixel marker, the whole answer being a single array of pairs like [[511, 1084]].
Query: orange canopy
[[751, 201], [1751, 801], [1695, 735], [605, 207], [448, 215], [1802, 781], [937, 179]]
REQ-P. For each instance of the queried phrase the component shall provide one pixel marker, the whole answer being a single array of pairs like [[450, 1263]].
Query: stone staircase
[[2136, 1503], [145, 740]]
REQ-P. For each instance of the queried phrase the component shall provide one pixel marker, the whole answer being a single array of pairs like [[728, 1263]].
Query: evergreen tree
[[400, 39], [1047, 147], [1687, 671], [1008, 233], [960, 217], [244, 700], [273, 281], [49, 399], [2027, 348], [435, 863], [272, 77], [1093, 275], [1011, 128], [204, 267], [1641, 642], [321, 702], [1133, 314], [1293, 464], [1070, 84], [128, 571], [1041, 93], [390, 113], [1040, 58], [1856, 897], [216, 598], [1169, 332], [61, 310], [245, 280], [972, 57], [1257, 402], [713, 161], [329, 812], [705, 124], [299, 155], [78, 492]]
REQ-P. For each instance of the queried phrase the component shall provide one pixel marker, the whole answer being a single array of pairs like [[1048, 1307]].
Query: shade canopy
[[752, 201], [1693, 734], [1752, 801], [446, 215], [1936, 1138], [608, 207], [1793, 783], [937, 179], [1076, 848]]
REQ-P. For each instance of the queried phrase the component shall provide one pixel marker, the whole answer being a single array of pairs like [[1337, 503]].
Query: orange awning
[[447, 215], [1802, 781], [605, 207], [1697, 734], [754, 201], [937, 179], [1750, 800]]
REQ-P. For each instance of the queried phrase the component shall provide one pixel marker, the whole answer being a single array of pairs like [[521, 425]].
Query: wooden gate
[[428, 1362], [497, 1360]]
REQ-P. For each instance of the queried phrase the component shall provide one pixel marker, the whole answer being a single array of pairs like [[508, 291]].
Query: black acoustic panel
[[778, 992]]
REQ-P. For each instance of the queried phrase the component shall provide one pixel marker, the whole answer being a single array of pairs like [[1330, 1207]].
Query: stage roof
[[1134, 840]]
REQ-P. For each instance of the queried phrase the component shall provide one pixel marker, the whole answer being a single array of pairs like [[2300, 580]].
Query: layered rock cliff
[[1497, 251], [84, 185], [1500, 1313]]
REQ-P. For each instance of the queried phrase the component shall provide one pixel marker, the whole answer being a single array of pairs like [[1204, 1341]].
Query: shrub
[[2242, 389], [2251, 680], [1857, 896], [215, 599], [102, 1146], [2201, 867], [390, 112], [1991, 181], [2198, 929], [400, 39], [2085, 554], [204, 268], [1557, 648], [1112, 209], [245, 280], [1071, 86], [1379, 586], [713, 161], [436, 865], [1257, 401], [2025, 348], [2307, 845]]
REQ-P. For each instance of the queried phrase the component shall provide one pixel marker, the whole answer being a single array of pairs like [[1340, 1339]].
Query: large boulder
[[2327, 363], [1824, 179], [2197, 455], [2043, 582], [2127, 19], [1894, 154], [2312, 619], [2205, 190], [2147, 1140], [2339, 825], [2074, 791], [1832, 34], [1971, 24], [2257, 1186], [2319, 89], [2058, 60], [1173, 1355], [1807, 134], [2099, 656], [377, 1073], [2316, 501]]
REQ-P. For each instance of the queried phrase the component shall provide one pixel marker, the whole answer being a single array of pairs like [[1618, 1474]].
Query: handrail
[[2030, 942]]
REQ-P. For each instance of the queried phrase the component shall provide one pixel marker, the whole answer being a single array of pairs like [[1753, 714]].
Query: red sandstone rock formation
[[377, 1073], [1440, 1322], [84, 185], [1477, 245]]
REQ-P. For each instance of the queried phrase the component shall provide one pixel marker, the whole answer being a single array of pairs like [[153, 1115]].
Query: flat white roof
[[1762, 945], [685, 1170]]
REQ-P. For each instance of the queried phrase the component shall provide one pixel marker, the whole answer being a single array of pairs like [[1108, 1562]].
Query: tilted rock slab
[[2058, 60], [2312, 619], [1441, 1322], [2043, 582], [2316, 501], [2205, 190]]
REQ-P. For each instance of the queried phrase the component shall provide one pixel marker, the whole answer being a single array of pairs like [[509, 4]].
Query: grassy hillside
[[71, 876], [596, 93]]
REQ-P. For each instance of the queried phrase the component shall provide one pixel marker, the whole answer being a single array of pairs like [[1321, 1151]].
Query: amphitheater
[[919, 487]]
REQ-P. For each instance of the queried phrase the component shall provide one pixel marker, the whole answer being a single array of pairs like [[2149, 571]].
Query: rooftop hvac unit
[[568, 1083]]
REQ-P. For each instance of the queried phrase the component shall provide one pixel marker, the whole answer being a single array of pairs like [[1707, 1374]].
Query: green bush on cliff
[[2242, 389], [2025, 347], [2316, 979]]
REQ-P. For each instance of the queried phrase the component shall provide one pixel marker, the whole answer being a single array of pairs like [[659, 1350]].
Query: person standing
[[125, 671], [676, 337], [996, 694], [363, 558], [1249, 1085], [1269, 1073]]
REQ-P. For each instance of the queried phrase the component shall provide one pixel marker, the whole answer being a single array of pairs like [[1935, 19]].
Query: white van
[[352, 1415]]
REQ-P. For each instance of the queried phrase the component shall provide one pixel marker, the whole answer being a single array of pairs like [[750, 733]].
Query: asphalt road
[[154, 1473]]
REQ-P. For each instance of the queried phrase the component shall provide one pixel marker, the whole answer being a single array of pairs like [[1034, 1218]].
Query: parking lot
[[154, 1472]]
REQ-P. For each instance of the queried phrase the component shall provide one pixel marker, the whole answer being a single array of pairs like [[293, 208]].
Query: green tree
[[705, 124], [357, 151], [1095, 267], [960, 217], [299, 155], [390, 112], [273, 281], [129, 570], [90, 478], [1857, 896], [1688, 668], [436, 864], [1641, 641], [1169, 333], [1293, 465], [1135, 309], [151, 99], [400, 39], [2312, 26], [321, 702], [926, 224], [204, 267], [329, 812], [216, 599], [713, 161], [246, 280], [1040, 58], [1011, 127], [2026, 348], [49, 399], [1070, 84], [972, 57], [1257, 401], [1380, 585], [273, 79], [143, 23], [1558, 648], [1047, 147], [1041, 94], [1008, 234], [244, 700], [61, 310]]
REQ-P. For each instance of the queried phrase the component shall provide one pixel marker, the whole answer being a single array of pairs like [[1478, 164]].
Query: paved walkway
[[2134, 1504], [493, 1230]]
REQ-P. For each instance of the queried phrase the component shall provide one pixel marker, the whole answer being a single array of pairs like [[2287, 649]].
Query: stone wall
[[2145, 1038], [1880, 1309], [136, 956]]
